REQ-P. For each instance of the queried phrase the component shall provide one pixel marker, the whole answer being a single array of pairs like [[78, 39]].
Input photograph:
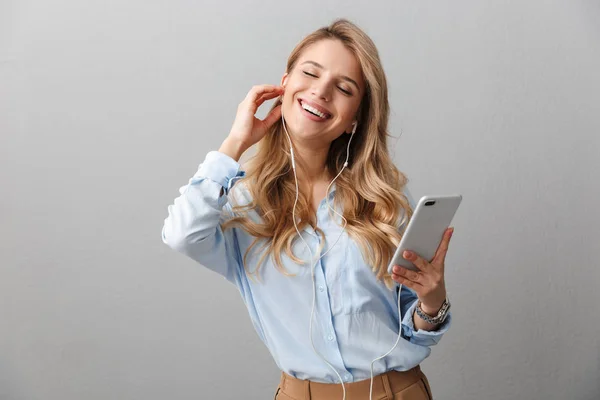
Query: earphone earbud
[[355, 124]]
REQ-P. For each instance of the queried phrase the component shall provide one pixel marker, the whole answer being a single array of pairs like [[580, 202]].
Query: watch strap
[[436, 319]]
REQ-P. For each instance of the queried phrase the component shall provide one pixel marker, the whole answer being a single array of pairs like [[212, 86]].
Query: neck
[[313, 163]]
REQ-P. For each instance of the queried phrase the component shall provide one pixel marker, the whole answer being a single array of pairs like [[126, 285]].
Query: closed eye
[[341, 89]]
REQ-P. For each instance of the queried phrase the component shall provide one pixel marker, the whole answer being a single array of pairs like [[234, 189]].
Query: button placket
[[329, 335], [324, 291], [324, 305]]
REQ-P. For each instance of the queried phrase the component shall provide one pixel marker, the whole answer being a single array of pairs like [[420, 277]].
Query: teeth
[[313, 110]]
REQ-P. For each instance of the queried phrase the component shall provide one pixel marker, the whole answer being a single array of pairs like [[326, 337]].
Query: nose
[[322, 89]]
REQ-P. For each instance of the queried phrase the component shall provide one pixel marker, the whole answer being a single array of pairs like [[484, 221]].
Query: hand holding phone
[[425, 230]]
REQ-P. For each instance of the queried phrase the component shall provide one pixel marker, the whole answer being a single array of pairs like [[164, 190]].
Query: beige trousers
[[392, 385]]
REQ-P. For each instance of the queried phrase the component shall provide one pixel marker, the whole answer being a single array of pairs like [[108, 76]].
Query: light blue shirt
[[356, 316]]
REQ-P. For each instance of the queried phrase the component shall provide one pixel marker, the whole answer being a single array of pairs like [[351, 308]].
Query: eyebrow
[[344, 77]]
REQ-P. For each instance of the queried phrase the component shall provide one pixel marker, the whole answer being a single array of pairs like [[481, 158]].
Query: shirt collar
[[332, 189]]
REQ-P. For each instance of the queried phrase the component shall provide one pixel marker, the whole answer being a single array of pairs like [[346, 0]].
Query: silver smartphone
[[431, 217]]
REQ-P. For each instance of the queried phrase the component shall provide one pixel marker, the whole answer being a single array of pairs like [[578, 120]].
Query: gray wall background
[[107, 107]]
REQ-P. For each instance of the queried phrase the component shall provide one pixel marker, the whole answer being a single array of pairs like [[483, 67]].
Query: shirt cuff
[[220, 168], [420, 336]]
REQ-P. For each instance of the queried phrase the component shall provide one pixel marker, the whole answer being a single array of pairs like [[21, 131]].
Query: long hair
[[369, 191]]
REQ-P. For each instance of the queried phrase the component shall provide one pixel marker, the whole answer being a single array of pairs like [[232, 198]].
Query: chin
[[299, 126]]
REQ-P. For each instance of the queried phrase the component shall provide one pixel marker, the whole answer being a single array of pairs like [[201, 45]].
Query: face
[[323, 92]]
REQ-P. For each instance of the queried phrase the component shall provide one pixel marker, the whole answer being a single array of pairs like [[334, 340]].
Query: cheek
[[288, 99], [348, 107], [346, 113], [290, 93]]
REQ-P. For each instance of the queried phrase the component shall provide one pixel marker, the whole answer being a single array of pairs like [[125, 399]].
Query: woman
[[309, 256]]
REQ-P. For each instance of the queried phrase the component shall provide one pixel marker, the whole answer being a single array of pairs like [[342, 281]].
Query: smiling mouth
[[314, 111]]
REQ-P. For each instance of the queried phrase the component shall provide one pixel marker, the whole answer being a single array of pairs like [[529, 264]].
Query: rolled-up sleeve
[[408, 301], [193, 224]]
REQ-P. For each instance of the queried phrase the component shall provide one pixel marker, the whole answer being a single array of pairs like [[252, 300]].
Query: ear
[[352, 127], [284, 79]]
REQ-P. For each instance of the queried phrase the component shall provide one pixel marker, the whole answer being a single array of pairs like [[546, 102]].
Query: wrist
[[433, 317], [432, 308], [232, 148]]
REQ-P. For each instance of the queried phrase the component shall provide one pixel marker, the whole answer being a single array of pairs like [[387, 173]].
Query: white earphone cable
[[312, 270]]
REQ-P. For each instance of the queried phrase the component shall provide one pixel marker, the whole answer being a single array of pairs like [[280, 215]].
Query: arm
[[192, 226], [421, 323], [413, 327]]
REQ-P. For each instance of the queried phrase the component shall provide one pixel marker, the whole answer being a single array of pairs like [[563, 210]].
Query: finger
[[259, 90], [408, 274], [273, 116], [267, 96], [440, 254], [256, 103], [417, 260], [264, 97], [406, 282]]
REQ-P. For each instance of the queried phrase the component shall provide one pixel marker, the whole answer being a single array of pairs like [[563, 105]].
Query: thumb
[[273, 116]]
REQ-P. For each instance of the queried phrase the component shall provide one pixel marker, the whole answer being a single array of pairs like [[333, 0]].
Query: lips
[[318, 107]]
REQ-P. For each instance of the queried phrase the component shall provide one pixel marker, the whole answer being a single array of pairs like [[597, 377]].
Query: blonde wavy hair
[[370, 191]]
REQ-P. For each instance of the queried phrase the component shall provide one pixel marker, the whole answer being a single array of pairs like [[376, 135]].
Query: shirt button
[[330, 337], [321, 288]]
